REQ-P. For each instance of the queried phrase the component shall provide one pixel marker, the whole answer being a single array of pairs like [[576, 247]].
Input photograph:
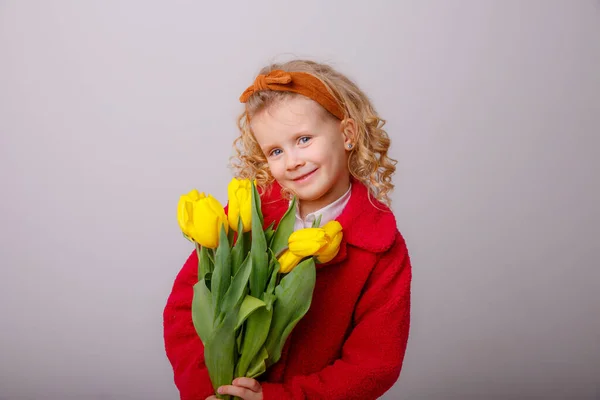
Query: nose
[[293, 161]]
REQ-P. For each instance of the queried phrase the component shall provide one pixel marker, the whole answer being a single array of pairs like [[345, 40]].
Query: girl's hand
[[244, 388]]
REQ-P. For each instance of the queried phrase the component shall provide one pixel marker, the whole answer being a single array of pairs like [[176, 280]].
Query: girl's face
[[306, 150]]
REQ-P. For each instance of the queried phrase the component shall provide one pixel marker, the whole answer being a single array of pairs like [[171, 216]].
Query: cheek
[[276, 168], [330, 155], [319, 154]]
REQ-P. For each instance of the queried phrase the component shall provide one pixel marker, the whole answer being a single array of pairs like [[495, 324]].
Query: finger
[[248, 383], [212, 398], [238, 391]]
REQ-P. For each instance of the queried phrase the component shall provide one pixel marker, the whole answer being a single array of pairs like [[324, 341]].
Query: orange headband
[[297, 82]]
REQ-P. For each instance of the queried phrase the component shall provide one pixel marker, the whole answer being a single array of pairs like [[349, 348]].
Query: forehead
[[288, 116]]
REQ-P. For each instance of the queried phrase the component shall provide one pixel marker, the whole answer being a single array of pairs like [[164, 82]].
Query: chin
[[310, 194]]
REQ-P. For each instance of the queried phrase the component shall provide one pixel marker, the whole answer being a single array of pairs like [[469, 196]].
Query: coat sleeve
[[182, 344], [373, 353]]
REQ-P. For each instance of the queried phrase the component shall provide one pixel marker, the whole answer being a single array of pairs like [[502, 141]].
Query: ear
[[348, 130]]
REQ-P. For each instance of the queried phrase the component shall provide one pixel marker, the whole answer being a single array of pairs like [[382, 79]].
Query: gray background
[[110, 110]]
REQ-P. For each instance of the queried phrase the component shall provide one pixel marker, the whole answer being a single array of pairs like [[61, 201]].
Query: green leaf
[[274, 275], [247, 242], [257, 330], [293, 299], [202, 311], [205, 264], [256, 205], [259, 364], [284, 229], [269, 296], [269, 301], [239, 337], [188, 238], [238, 288], [221, 276], [219, 352], [317, 222], [237, 254], [258, 250], [248, 306], [269, 233], [271, 260]]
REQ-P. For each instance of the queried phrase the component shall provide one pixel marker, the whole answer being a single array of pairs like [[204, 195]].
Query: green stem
[[211, 255], [198, 250], [230, 237]]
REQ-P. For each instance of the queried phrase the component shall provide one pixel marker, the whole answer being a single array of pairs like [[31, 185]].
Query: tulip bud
[[240, 203], [200, 218]]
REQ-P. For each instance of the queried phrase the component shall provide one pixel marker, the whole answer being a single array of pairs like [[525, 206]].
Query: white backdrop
[[110, 110]]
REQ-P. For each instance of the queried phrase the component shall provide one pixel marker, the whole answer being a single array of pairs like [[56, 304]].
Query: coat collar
[[367, 223]]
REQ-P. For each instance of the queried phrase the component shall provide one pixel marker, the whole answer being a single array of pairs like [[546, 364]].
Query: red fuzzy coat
[[352, 341]]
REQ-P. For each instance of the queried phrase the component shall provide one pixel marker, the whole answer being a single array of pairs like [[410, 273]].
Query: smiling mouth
[[304, 176]]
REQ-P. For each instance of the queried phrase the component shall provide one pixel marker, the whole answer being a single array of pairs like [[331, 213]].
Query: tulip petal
[[182, 217], [287, 261], [332, 228], [333, 232], [233, 207], [306, 242], [305, 248], [328, 253], [245, 210], [194, 195], [205, 228]]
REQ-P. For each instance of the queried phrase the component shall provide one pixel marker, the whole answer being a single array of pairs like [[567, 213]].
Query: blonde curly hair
[[369, 162]]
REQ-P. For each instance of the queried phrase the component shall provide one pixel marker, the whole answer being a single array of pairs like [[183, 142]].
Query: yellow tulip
[[240, 203], [333, 232], [288, 261], [307, 242], [200, 218]]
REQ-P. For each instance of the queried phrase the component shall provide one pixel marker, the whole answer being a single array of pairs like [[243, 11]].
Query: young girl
[[309, 131]]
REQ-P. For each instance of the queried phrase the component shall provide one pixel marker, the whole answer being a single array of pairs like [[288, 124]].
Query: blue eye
[[304, 139], [275, 152]]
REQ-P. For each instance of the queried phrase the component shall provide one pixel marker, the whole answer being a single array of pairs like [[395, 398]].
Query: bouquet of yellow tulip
[[254, 284]]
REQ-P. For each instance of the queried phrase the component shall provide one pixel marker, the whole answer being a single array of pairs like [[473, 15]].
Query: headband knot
[[262, 81], [297, 82]]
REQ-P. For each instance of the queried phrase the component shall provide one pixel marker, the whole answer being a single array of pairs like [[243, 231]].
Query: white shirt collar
[[328, 213]]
